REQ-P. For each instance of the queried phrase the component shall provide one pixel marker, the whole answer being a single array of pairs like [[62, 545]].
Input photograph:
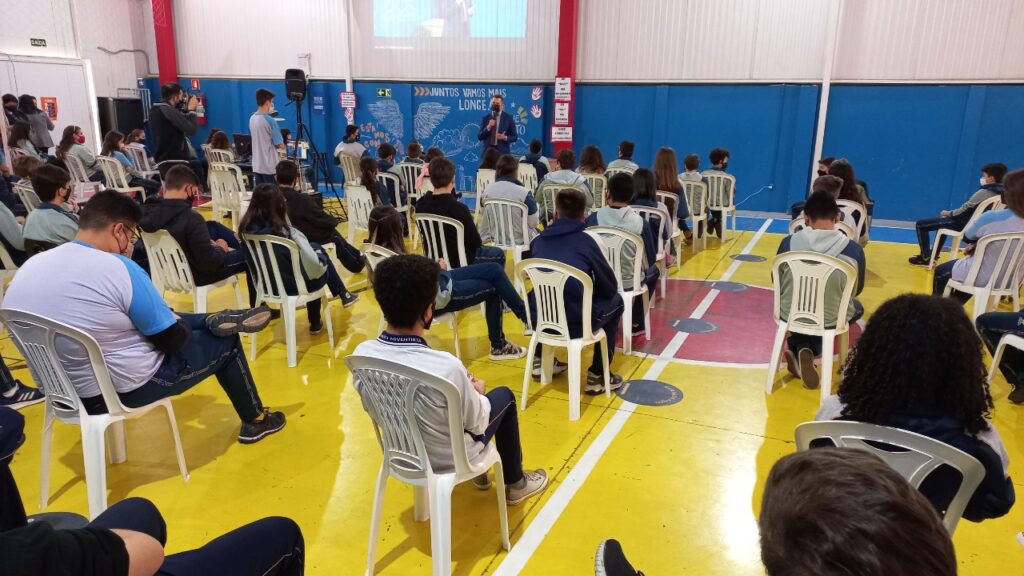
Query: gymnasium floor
[[679, 485]]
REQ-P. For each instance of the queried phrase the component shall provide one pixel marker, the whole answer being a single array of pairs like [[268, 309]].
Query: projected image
[[449, 18]]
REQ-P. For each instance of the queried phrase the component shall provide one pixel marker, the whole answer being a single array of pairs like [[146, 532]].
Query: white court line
[[559, 501]]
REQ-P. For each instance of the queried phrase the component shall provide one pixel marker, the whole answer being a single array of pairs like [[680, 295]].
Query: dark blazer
[[506, 125]]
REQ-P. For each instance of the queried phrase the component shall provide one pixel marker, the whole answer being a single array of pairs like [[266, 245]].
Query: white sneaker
[[532, 482]]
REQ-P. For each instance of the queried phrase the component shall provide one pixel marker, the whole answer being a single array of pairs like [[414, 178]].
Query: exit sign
[[383, 92], [38, 42]]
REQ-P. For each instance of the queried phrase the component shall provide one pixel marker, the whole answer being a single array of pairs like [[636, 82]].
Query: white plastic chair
[[856, 216], [598, 184], [360, 203], [508, 223], [613, 171], [809, 274], [995, 272], [225, 156], [551, 326], [957, 236], [914, 456], [143, 165], [27, 195], [375, 255], [722, 197], [227, 189], [349, 167], [798, 224], [527, 174], [36, 338], [270, 288], [671, 202], [434, 231], [7, 273], [664, 220], [613, 242], [117, 179], [697, 200], [546, 194], [484, 178], [1011, 340], [171, 271], [409, 172], [391, 393], [84, 188]]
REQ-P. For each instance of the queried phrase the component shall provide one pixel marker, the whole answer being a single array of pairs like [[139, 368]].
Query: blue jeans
[[992, 326], [7, 381], [205, 355], [503, 426], [796, 342], [603, 315], [929, 225], [490, 254], [272, 546], [234, 261], [487, 283], [258, 179], [150, 188], [331, 279]]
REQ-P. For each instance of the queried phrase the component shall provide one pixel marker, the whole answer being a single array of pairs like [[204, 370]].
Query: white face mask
[[982, 180]]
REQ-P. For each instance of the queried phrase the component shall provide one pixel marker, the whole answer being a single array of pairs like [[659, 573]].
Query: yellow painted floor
[[678, 485]]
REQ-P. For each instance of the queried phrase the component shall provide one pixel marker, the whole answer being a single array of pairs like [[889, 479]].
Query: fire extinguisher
[[201, 109]]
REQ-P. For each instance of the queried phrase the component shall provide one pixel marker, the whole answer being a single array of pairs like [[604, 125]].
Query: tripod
[[318, 160]]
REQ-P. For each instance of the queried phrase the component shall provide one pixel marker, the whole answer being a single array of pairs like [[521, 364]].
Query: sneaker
[[792, 364], [269, 423], [611, 561], [557, 368], [637, 330], [275, 314], [483, 481], [349, 298], [919, 260], [507, 351], [231, 322], [317, 328], [1016, 395], [20, 396], [531, 483], [808, 373], [595, 383]]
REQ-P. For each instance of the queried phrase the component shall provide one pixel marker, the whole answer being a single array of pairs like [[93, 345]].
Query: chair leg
[[935, 250], [378, 506], [503, 513], [827, 351], [93, 430], [773, 362], [238, 292], [454, 323], [664, 278], [326, 313], [441, 524], [288, 314], [44, 462], [602, 347], [528, 371], [646, 298], [547, 365], [575, 378], [844, 347], [117, 444], [178, 452], [627, 327], [997, 357], [420, 504], [199, 295]]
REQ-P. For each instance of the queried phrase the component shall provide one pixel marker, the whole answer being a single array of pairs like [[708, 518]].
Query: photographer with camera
[[172, 121]]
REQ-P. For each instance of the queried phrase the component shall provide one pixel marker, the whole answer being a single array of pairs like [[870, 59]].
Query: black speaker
[[295, 84]]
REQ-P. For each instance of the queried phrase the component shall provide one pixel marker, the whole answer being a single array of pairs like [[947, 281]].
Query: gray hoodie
[[833, 243]]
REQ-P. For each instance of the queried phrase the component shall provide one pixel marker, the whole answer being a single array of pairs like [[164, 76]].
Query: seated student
[[565, 241], [114, 146], [12, 236], [852, 189], [461, 288], [490, 159], [824, 164], [507, 187], [368, 179], [666, 172], [211, 248], [151, 352], [350, 144], [73, 143], [128, 538], [406, 289], [991, 185], [991, 222], [51, 223], [219, 141], [645, 193], [934, 386], [617, 214], [308, 217], [566, 175], [137, 139], [591, 161], [992, 326], [14, 394], [22, 169], [413, 152], [831, 184], [268, 214], [442, 203], [625, 159], [432, 153], [20, 139], [691, 169], [867, 520], [820, 235], [719, 158], [386, 159], [536, 159]]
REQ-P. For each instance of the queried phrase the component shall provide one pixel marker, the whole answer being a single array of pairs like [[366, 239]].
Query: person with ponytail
[[72, 142], [114, 146]]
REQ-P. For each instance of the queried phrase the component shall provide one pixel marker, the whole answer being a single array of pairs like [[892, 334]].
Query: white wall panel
[[113, 25], [50, 20], [260, 38], [701, 40], [532, 58], [926, 40]]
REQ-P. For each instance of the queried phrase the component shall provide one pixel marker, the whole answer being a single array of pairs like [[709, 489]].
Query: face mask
[[427, 323], [80, 139], [725, 165], [822, 173], [495, 107], [983, 182]]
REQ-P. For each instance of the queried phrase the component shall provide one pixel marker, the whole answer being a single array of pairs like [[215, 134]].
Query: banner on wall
[[447, 116]]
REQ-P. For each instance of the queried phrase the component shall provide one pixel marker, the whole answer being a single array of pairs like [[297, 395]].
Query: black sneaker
[[255, 431], [231, 322], [21, 396], [1016, 395], [317, 328], [507, 351], [557, 368], [595, 383], [919, 260], [610, 560], [349, 298]]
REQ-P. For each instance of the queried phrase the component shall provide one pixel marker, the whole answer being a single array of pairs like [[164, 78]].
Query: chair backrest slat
[[598, 184], [809, 274], [721, 190], [267, 276], [27, 195], [527, 174], [696, 197], [549, 278], [997, 262], [349, 167], [114, 173], [392, 182], [434, 231], [663, 219], [507, 222], [624, 252], [167, 263], [360, 203]]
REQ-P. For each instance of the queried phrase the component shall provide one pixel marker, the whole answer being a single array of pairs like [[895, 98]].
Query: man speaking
[[497, 129]]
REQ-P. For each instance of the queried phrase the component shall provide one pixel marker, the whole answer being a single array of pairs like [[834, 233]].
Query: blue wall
[[919, 147]]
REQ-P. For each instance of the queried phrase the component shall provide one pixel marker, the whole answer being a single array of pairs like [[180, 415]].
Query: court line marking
[[534, 535]]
